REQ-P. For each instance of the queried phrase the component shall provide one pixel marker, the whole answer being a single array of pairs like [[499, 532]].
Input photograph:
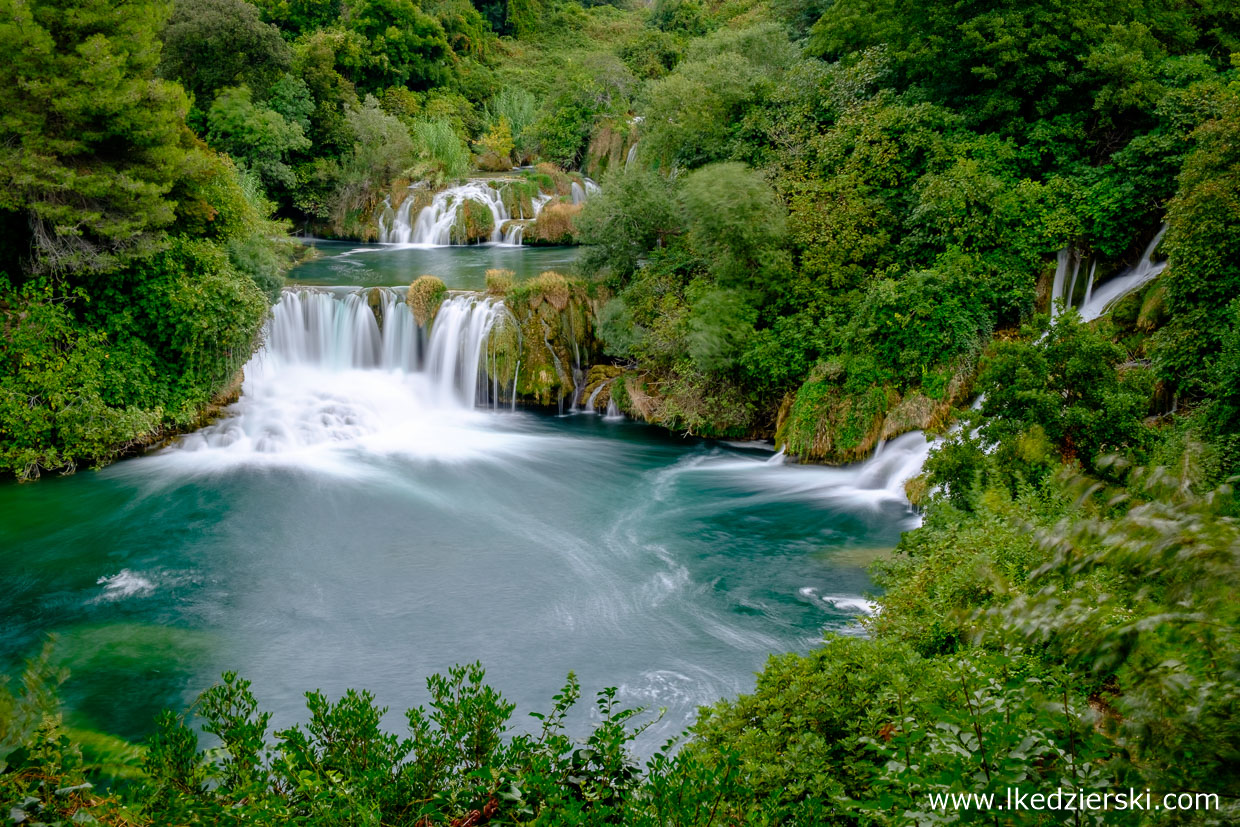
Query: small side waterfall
[[1099, 298]]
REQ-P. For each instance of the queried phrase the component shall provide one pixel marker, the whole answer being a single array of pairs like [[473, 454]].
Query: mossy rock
[[552, 331], [609, 148], [827, 424], [374, 300], [561, 183], [551, 287], [917, 489], [556, 225], [518, 196], [1153, 313], [500, 282], [425, 296], [503, 356], [602, 378], [421, 196], [474, 223]]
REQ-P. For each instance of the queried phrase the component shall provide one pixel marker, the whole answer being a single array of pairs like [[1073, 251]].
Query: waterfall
[[632, 156], [346, 369], [335, 330], [515, 233], [1067, 258], [1100, 300], [1108, 293], [432, 227], [458, 345], [589, 408]]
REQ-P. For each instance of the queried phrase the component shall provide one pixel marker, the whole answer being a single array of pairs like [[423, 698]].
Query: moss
[[1153, 312], [518, 196], [609, 148], [555, 225], [421, 196], [474, 223], [825, 423], [559, 180], [602, 378], [500, 282], [550, 287], [917, 489], [504, 353], [551, 332], [424, 297], [693, 403], [374, 300]]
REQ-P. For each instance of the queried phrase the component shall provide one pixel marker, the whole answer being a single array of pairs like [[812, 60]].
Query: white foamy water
[[124, 584], [877, 480], [331, 384]]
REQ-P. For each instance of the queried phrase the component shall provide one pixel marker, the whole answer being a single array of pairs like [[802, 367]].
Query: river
[[364, 524]]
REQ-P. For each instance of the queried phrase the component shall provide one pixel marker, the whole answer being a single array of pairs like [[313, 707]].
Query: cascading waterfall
[[337, 330], [1099, 298], [344, 367], [433, 224], [515, 233]]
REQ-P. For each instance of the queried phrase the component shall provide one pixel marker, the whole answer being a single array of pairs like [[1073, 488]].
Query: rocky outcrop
[[824, 422], [543, 343], [424, 297]]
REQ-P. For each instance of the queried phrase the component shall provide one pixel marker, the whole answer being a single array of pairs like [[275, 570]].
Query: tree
[[736, 222], [210, 44], [408, 47], [1203, 243], [258, 137], [635, 212], [91, 141], [298, 16]]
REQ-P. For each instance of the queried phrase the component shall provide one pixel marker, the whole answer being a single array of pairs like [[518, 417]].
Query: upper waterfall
[[485, 210]]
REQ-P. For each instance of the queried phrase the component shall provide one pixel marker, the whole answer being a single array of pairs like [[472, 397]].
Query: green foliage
[[1067, 384], [519, 109], [213, 44], [405, 46], [91, 141], [720, 326], [636, 212], [1204, 271], [297, 16], [259, 138], [438, 146], [145, 292]]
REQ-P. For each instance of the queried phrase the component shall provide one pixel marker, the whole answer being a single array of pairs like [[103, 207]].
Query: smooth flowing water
[[358, 520]]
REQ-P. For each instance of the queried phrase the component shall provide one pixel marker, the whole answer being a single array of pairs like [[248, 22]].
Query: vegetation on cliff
[[833, 207], [136, 264]]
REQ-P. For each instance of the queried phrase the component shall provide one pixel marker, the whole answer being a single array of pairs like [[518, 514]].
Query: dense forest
[[823, 222]]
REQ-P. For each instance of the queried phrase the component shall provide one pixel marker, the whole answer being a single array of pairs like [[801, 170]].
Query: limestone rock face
[[545, 341]]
